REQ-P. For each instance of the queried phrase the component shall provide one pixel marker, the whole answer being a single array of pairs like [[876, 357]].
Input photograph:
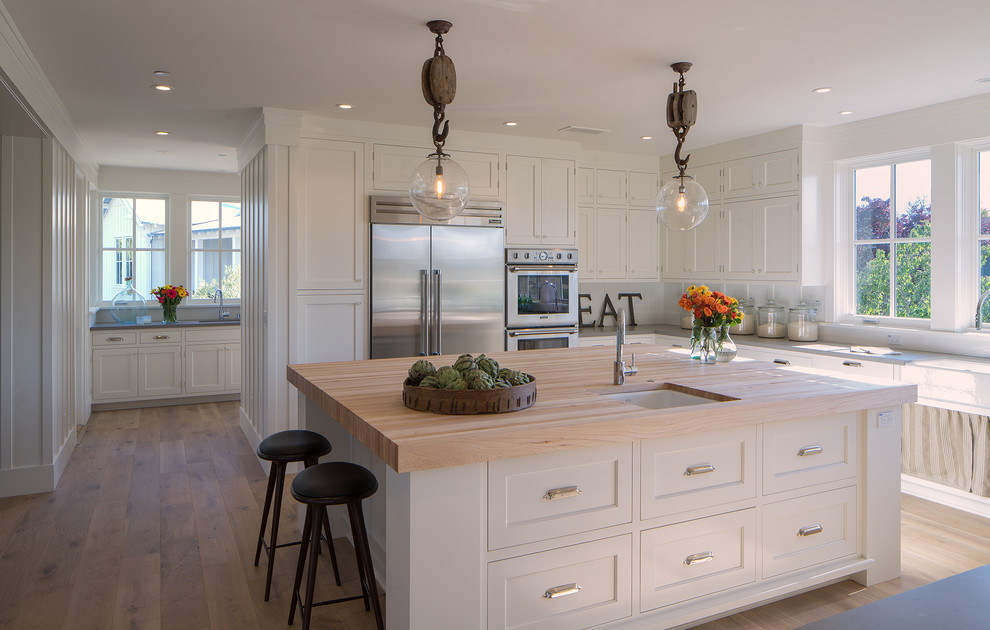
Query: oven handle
[[540, 332], [567, 268]]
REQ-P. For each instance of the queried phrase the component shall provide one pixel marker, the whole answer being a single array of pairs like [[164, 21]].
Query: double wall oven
[[541, 298]]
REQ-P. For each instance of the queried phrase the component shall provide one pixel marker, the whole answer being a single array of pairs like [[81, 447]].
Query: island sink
[[662, 398]]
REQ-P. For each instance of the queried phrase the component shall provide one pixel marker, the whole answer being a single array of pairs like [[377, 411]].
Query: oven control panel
[[542, 256]]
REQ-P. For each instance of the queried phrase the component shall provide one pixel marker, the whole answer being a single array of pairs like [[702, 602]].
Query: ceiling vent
[[588, 130]]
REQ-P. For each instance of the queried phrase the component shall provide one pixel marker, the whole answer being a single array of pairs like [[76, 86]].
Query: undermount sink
[[661, 398]]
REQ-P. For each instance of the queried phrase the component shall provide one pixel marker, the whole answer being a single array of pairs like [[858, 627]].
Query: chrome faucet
[[620, 370], [979, 309], [219, 294]]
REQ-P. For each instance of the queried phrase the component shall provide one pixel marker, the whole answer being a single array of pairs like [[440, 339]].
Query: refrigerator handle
[[437, 309], [424, 312]]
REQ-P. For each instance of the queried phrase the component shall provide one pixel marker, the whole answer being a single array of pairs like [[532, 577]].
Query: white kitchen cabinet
[[115, 373], [159, 371], [540, 202], [643, 189], [586, 243], [394, 166], [761, 175], [809, 530], [708, 176], [232, 370], [610, 243], [205, 367], [585, 186], [610, 187], [778, 357], [761, 239], [642, 245], [693, 254], [851, 368]]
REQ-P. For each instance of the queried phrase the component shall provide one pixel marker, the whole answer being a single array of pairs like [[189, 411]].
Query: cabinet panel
[[610, 187], [160, 371], [558, 210], [761, 175], [643, 189], [674, 254], [586, 185], [708, 177], [643, 244], [808, 530], [682, 561], [329, 328], [802, 453], [232, 370], [564, 589], [113, 338], [781, 239], [610, 243], [739, 241], [205, 369], [115, 373], [523, 201], [586, 243], [394, 166], [538, 498], [702, 245], [162, 336], [851, 368], [690, 472]]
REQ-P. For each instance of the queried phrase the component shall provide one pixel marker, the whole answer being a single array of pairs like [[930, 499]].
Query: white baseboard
[[62, 459], [26, 480], [252, 437], [946, 495]]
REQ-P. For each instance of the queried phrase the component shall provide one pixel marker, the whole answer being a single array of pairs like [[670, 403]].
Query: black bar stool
[[334, 483], [280, 449]]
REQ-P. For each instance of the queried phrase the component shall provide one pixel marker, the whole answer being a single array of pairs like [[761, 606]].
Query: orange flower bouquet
[[169, 297], [714, 313]]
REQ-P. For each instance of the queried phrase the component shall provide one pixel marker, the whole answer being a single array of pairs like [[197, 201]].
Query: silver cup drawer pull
[[811, 450], [115, 338], [810, 530], [562, 493], [700, 469], [852, 363], [561, 591], [160, 337], [698, 558]]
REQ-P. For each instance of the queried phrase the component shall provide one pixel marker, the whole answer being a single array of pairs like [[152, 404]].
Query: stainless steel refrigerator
[[437, 287]]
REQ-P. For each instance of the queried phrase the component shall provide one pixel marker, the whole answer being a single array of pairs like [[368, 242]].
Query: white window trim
[[98, 249], [187, 242], [970, 198]]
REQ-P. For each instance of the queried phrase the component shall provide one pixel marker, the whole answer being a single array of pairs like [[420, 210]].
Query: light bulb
[[682, 204], [439, 188]]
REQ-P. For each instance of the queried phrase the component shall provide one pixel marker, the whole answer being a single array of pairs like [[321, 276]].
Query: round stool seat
[[293, 446], [334, 483]]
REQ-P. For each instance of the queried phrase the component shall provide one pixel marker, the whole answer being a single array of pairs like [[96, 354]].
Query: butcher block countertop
[[365, 397]]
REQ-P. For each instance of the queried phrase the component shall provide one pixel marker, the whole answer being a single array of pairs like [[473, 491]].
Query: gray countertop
[[189, 324]]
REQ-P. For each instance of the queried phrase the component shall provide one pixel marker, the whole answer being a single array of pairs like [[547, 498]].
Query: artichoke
[[480, 380], [489, 365], [465, 365], [420, 370], [458, 384], [518, 378], [430, 381], [500, 382], [447, 376], [503, 373], [466, 356]]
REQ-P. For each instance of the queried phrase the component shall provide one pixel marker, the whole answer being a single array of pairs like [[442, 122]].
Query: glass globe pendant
[[682, 204], [439, 189]]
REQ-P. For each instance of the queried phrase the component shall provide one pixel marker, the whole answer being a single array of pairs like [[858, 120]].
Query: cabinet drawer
[[564, 589], [694, 558], [214, 335], [173, 335], [852, 368], [113, 338], [546, 496], [808, 530], [802, 453], [689, 472]]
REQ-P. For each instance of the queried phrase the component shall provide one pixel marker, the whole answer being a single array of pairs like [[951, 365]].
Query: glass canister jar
[[802, 322], [129, 304], [770, 321], [748, 324], [687, 320]]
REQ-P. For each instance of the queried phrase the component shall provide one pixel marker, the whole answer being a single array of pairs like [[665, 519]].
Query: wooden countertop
[[365, 397]]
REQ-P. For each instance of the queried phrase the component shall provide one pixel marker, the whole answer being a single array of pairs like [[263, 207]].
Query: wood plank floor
[[154, 523]]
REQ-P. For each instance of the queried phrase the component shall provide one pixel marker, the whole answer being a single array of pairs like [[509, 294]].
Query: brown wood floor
[[154, 525]]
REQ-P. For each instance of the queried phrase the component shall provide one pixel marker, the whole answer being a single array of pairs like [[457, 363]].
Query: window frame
[[972, 203], [189, 250], [100, 249]]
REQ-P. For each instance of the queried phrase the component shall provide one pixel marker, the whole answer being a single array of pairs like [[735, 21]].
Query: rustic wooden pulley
[[682, 105], [439, 78]]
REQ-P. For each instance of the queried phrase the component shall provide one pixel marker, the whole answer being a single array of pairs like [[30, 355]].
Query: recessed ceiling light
[[846, 112], [161, 132], [162, 151], [509, 123], [161, 87], [161, 73], [345, 106], [646, 137], [983, 80], [221, 155], [822, 90]]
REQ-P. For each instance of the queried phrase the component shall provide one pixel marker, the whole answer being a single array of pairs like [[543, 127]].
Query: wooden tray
[[469, 401]]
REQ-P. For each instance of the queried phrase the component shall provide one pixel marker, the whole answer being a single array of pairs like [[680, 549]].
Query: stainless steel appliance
[[436, 286], [541, 298]]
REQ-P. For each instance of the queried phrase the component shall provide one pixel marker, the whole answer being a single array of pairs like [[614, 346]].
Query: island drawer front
[[162, 336], [218, 334], [704, 556], [690, 472], [547, 496], [802, 453], [801, 532], [563, 589], [113, 338]]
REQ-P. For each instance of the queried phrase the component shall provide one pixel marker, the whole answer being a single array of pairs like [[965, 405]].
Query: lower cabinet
[[212, 368], [115, 373], [809, 530], [159, 371]]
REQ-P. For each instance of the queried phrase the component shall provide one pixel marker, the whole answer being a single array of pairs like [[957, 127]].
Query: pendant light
[[682, 203], [439, 187]]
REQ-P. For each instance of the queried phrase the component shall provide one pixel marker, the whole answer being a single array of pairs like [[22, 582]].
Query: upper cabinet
[[586, 186], [688, 255], [643, 189], [540, 202], [610, 187], [394, 166], [761, 175], [761, 239]]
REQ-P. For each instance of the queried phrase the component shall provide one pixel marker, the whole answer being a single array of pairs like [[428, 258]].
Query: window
[[892, 245], [215, 248], [983, 229], [132, 244]]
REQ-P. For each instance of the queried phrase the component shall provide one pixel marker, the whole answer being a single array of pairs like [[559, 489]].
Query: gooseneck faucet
[[219, 294], [620, 370], [979, 309]]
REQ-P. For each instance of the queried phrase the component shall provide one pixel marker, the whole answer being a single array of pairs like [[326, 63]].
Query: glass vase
[[725, 348], [168, 313], [128, 305], [696, 341], [708, 345]]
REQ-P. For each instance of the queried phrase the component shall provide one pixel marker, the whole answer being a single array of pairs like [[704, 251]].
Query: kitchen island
[[586, 510]]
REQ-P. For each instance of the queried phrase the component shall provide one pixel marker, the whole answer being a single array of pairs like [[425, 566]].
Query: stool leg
[[301, 562], [360, 559], [279, 487], [311, 578], [264, 513], [333, 553], [357, 516]]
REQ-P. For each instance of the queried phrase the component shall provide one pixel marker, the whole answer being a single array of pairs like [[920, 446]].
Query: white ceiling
[[543, 63]]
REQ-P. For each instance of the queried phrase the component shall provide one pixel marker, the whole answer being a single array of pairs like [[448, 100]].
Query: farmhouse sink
[[660, 399]]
